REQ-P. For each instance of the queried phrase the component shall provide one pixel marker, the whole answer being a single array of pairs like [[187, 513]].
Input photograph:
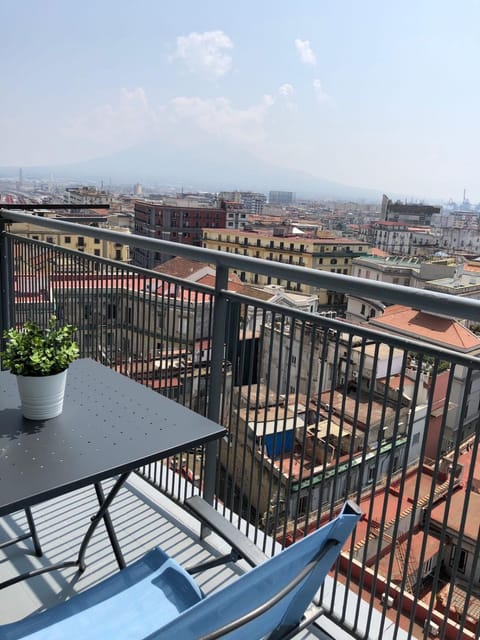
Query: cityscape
[[325, 314]]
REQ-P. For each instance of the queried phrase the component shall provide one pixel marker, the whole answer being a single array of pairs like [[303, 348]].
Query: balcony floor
[[143, 518]]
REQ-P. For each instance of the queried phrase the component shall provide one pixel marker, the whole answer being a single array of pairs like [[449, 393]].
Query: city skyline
[[372, 96]]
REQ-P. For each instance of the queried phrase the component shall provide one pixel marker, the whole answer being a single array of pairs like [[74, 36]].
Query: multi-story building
[[281, 197], [84, 243], [182, 224], [392, 237], [448, 333], [237, 216], [87, 195], [410, 214], [250, 201], [332, 254]]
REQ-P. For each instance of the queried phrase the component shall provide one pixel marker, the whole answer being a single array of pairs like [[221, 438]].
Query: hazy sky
[[374, 93]]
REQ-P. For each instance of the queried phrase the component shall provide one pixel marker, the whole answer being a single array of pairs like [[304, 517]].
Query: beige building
[[85, 244], [327, 253]]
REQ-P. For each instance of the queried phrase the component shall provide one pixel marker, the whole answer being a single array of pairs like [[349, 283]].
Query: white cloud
[[219, 118], [307, 55], [132, 120], [320, 94], [286, 90], [205, 52], [116, 127]]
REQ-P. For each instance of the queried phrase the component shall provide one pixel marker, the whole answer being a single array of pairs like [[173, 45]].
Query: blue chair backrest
[[313, 555]]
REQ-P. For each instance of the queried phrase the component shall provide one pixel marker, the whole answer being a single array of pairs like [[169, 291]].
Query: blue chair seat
[[129, 604]]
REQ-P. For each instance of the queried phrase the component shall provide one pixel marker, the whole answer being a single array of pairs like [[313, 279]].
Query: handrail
[[430, 301]]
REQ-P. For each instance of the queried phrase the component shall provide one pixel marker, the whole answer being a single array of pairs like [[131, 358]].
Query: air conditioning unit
[[432, 628], [386, 599]]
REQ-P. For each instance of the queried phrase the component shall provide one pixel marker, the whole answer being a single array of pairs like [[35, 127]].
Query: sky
[[369, 93]]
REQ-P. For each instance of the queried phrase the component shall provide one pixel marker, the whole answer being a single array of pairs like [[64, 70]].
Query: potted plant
[[40, 359]]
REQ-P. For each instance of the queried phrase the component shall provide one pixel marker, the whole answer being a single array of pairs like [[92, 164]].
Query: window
[[68, 239], [111, 311], [81, 241], [118, 254], [303, 504], [96, 252], [362, 311], [462, 560], [333, 261]]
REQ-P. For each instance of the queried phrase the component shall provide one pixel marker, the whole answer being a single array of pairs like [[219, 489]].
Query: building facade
[[332, 254], [281, 197], [172, 223]]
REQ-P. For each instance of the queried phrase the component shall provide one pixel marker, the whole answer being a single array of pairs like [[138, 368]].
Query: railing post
[[6, 274], [216, 374]]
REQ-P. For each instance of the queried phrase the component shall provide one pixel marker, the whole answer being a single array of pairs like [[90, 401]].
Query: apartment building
[[281, 197], [448, 333], [83, 243], [412, 214], [87, 195], [332, 254], [175, 223], [252, 202]]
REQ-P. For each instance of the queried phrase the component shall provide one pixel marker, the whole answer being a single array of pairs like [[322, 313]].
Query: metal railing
[[318, 410]]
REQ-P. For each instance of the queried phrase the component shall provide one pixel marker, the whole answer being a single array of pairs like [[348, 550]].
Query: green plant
[[33, 351]]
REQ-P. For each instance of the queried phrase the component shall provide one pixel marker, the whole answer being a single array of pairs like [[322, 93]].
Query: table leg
[[109, 526], [102, 513], [33, 531]]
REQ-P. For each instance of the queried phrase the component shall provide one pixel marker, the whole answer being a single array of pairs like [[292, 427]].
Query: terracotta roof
[[234, 282], [425, 326], [379, 252], [179, 267], [455, 512]]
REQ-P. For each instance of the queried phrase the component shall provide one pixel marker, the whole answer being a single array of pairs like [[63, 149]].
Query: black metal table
[[110, 426]]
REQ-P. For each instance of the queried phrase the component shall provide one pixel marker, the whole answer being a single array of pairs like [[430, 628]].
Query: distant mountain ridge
[[209, 167]]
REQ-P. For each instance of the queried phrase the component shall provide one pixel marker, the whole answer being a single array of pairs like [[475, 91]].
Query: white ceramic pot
[[42, 396]]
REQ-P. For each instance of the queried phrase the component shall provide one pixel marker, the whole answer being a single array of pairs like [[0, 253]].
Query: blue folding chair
[[155, 599]]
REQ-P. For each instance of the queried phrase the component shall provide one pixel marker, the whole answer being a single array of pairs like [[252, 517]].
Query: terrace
[[317, 410]]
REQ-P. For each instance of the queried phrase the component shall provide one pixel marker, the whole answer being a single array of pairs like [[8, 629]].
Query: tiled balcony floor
[[143, 518]]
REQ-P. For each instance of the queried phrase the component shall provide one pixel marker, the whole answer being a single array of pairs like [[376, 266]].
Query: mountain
[[209, 166]]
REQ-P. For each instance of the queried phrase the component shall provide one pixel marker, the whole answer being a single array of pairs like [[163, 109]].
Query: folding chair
[[155, 598]]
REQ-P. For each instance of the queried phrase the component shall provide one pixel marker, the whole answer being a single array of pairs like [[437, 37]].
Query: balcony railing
[[317, 409]]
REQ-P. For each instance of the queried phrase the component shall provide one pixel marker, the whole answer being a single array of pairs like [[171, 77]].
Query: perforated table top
[[110, 424]]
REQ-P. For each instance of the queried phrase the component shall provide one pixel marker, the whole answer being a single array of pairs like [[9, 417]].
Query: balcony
[[317, 410]]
